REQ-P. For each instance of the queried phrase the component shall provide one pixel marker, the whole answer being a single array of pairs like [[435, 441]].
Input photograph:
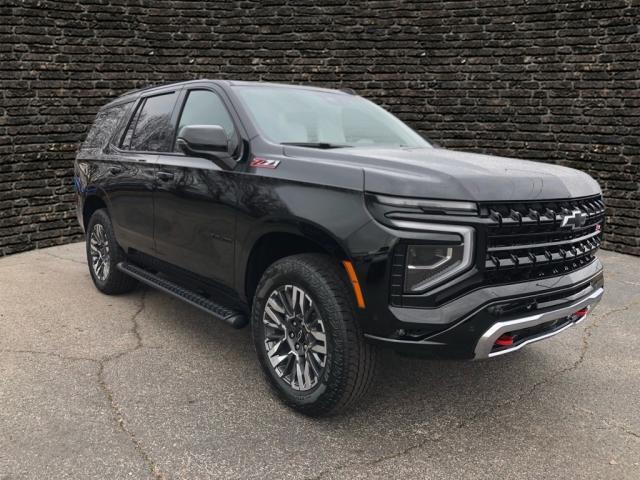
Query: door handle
[[115, 170], [165, 176]]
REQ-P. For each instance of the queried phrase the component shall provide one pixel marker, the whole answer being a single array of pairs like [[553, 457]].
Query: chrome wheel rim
[[294, 337], [100, 252]]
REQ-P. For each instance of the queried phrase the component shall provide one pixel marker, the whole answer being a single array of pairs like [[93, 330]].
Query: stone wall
[[556, 81]]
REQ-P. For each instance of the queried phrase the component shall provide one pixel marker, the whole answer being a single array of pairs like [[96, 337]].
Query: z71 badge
[[264, 163]]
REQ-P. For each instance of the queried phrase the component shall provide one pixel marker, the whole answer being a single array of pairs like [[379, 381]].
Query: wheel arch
[[94, 199], [282, 240]]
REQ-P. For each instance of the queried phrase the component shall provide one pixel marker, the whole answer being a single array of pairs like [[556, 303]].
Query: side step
[[233, 317]]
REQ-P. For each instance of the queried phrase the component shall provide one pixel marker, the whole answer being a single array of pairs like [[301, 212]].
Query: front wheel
[[309, 344]]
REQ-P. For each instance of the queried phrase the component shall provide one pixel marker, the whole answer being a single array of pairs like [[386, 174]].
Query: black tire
[[350, 362], [114, 281]]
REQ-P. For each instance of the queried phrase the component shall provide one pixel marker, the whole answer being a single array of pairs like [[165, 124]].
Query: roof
[[133, 94]]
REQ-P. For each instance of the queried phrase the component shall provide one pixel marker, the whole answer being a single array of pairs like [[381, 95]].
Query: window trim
[[139, 104], [183, 102], [131, 124], [124, 121]]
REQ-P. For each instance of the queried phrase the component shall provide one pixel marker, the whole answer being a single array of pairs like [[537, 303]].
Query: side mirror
[[206, 141]]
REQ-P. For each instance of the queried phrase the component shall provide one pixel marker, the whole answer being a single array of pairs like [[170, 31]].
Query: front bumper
[[558, 320], [525, 312]]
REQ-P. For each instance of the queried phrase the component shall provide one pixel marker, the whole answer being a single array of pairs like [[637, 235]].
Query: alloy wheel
[[100, 252], [295, 338]]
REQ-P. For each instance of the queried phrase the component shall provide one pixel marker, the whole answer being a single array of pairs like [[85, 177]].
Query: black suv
[[332, 227]]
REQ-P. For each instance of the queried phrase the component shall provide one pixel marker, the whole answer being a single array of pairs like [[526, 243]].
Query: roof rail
[[148, 87]]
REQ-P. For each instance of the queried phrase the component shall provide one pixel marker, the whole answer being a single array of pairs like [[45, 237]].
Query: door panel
[[194, 200], [195, 216], [131, 174], [129, 183]]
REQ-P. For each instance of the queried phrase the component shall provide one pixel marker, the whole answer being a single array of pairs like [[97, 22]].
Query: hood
[[448, 174]]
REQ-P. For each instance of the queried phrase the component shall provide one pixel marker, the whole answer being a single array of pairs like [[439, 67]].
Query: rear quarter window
[[104, 126]]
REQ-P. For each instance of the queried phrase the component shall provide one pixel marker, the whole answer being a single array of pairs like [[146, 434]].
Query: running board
[[233, 317]]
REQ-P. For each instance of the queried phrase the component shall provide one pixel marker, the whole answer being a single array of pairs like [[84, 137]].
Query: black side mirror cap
[[206, 141]]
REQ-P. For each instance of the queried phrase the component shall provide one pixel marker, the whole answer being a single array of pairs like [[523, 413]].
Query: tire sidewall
[[290, 273]]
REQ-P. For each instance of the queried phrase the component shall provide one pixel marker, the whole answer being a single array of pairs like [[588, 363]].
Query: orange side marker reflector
[[348, 266]]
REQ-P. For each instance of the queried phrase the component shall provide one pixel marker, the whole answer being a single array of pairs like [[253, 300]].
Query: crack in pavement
[[372, 462], [62, 258], [50, 354], [617, 426], [115, 407], [627, 430], [465, 422], [108, 392], [119, 416], [586, 335]]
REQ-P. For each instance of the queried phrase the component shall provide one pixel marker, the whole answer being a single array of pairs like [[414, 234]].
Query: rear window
[[104, 126]]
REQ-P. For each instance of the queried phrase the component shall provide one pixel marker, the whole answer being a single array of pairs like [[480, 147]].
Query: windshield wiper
[[323, 145]]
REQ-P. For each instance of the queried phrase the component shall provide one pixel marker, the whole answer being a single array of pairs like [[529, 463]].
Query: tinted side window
[[203, 107], [104, 126], [150, 129]]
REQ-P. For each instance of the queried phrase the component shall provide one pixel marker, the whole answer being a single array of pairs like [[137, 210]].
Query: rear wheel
[[309, 344], [104, 254]]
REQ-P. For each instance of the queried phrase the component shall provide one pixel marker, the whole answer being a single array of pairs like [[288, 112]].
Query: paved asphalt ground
[[144, 386]]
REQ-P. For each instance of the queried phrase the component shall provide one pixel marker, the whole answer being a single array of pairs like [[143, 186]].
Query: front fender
[[328, 216]]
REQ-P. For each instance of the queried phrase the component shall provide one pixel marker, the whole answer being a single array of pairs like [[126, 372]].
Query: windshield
[[323, 119]]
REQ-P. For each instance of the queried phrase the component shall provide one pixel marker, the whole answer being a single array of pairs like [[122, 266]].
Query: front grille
[[526, 240]]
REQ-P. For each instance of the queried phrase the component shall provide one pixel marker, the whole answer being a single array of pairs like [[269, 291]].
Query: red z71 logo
[[264, 163]]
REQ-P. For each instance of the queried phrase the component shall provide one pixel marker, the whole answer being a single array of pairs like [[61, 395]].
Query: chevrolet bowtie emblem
[[574, 219]]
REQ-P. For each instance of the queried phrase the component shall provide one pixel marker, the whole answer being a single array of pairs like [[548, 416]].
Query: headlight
[[448, 207], [427, 265]]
